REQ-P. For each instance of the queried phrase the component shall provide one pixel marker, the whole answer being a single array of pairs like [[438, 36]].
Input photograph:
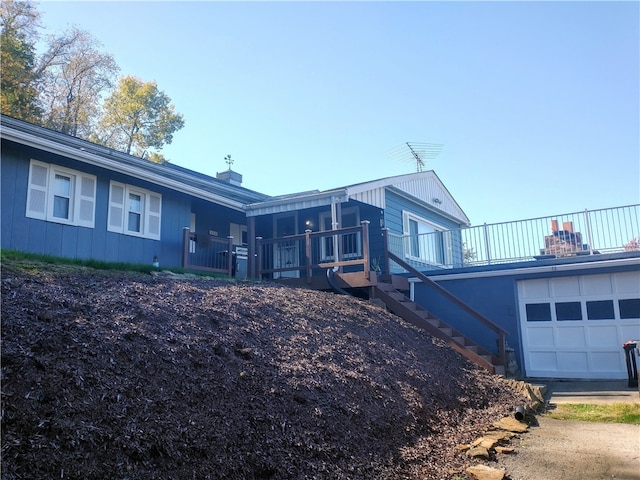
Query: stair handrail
[[443, 291]]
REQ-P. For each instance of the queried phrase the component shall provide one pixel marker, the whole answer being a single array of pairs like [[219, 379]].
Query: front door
[[286, 253]]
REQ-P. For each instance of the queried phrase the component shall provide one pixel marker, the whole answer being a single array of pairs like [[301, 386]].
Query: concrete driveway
[[592, 392], [564, 450]]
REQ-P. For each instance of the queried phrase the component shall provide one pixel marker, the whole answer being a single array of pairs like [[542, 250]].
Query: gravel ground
[[131, 376]]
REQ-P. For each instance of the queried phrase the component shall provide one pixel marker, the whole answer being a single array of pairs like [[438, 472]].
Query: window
[[568, 311], [629, 308], [538, 312], [600, 310], [425, 241], [58, 194], [134, 211]]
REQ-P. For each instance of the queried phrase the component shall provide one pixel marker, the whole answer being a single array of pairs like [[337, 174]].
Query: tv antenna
[[416, 152]]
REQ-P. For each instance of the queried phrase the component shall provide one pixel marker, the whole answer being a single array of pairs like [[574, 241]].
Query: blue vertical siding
[[494, 297], [43, 237], [396, 204]]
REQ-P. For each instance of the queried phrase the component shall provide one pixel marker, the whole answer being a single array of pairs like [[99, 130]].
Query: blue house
[[67, 197], [548, 297]]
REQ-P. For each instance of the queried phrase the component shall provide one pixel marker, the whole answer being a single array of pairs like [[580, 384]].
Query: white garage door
[[574, 327]]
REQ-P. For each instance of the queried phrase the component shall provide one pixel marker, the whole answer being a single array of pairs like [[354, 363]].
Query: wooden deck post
[[502, 346], [186, 238], [230, 256], [251, 247], [307, 242], [258, 258], [385, 246], [365, 248]]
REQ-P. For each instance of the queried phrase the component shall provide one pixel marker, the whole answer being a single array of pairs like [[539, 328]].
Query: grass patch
[[613, 413], [34, 261]]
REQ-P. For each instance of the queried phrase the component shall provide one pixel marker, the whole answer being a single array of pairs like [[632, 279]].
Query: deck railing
[[452, 299], [588, 232], [298, 256], [201, 251]]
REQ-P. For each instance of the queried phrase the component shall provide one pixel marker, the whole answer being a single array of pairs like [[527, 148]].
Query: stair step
[[433, 321], [423, 314], [398, 298], [386, 287], [409, 304]]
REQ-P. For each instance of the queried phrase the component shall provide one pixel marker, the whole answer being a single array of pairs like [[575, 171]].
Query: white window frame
[[440, 250], [118, 216], [41, 194], [128, 211]]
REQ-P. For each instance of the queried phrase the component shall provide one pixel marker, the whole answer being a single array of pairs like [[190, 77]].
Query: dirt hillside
[[133, 376]]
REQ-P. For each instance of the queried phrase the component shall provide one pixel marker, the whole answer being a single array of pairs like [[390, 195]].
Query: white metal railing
[[588, 232]]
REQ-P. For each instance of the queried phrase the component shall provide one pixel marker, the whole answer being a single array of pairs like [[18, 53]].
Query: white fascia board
[[293, 203], [114, 165]]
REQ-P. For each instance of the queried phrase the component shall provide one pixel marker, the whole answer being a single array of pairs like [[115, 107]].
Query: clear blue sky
[[536, 103]]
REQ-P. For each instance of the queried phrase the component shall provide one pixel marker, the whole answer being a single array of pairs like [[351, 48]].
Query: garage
[[574, 326]]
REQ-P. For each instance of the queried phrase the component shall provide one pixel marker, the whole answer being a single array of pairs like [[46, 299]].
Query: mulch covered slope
[[127, 376]]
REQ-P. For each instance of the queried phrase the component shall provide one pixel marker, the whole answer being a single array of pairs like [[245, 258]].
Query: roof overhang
[[296, 202], [80, 150]]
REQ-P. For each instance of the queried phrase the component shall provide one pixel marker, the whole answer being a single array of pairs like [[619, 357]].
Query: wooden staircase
[[398, 303]]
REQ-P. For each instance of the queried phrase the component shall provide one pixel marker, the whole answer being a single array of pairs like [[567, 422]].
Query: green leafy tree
[[76, 76], [469, 255], [19, 79], [138, 117]]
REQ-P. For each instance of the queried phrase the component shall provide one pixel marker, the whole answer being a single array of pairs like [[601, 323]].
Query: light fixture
[[436, 201]]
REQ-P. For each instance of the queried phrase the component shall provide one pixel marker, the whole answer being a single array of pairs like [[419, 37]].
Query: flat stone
[[511, 425], [501, 436], [505, 449], [482, 472], [478, 452], [463, 447], [486, 442]]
